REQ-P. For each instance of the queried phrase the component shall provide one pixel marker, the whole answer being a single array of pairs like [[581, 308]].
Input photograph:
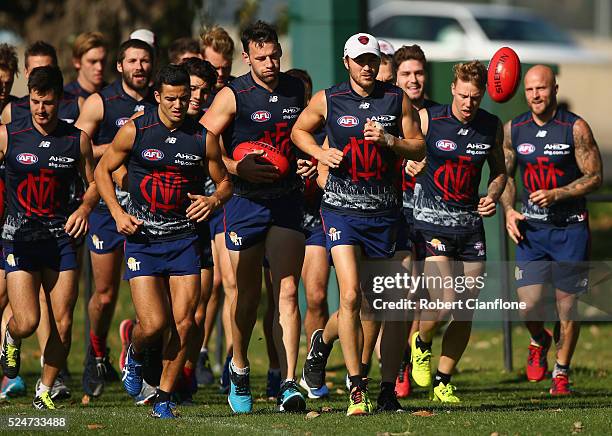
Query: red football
[[504, 75], [271, 155]]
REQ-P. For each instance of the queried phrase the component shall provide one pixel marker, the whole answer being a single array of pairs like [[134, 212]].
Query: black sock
[[406, 358], [440, 377], [325, 347], [541, 337], [162, 396], [365, 368], [387, 386], [422, 345], [560, 369], [356, 380]]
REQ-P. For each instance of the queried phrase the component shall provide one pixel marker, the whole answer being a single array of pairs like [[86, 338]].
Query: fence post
[[505, 291]]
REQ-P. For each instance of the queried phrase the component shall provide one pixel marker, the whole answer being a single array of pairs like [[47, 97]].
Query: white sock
[[203, 350], [240, 371], [42, 388], [9, 338], [289, 379]]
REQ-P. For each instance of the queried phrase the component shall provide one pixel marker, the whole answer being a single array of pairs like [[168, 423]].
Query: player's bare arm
[[3, 142], [497, 178], [5, 116], [415, 167], [588, 160], [312, 118], [216, 119], [76, 225], [89, 120], [202, 206], [411, 145], [114, 157], [508, 197]]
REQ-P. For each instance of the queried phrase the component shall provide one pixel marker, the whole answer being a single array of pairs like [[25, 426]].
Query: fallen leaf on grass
[[495, 433], [326, 409], [340, 391], [400, 434], [94, 426], [578, 427], [423, 413], [85, 400], [312, 415]]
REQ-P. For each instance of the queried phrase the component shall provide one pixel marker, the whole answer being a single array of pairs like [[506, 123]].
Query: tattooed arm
[[588, 160], [497, 179], [508, 198]]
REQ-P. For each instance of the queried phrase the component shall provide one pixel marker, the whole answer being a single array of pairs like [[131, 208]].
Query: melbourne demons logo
[[348, 121], [37, 193], [365, 161], [261, 116], [163, 190], [27, 158], [541, 175], [456, 179], [279, 138], [152, 154]]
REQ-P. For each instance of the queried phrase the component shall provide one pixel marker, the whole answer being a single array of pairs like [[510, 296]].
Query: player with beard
[[43, 153], [264, 215], [449, 213], [89, 59], [165, 151], [411, 67], [559, 164], [360, 207], [102, 115]]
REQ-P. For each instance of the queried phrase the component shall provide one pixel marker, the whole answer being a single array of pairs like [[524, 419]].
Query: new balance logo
[[44, 144], [139, 107], [463, 132], [170, 140], [273, 99], [364, 105], [541, 134]]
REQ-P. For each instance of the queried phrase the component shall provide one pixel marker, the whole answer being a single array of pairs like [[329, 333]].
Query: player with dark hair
[[165, 151], [183, 48], [8, 71], [103, 114], [263, 217], [43, 154], [559, 164]]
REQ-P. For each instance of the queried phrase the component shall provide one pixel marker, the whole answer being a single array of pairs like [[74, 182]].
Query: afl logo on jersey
[[27, 158], [446, 145], [261, 116], [121, 121], [525, 148], [153, 154], [348, 121]]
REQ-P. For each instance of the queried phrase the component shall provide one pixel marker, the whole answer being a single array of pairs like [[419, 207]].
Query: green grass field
[[494, 401]]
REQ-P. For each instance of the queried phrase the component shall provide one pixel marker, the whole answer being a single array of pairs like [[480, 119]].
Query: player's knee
[[26, 324], [153, 327], [105, 294], [349, 300], [185, 326], [317, 299]]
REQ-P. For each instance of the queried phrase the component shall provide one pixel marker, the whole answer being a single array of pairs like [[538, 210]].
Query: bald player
[[559, 164]]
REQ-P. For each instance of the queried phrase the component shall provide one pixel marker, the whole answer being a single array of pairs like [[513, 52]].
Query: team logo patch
[[446, 145], [334, 234], [348, 121], [526, 148], [97, 242], [383, 118], [363, 39], [27, 158], [518, 273], [236, 240], [437, 244], [291, 110], [153, 154], [261, 116], [133, 264], [11, 260], [480, 247], [121, 121]]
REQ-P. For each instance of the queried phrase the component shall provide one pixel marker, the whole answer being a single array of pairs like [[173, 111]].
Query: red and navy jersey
[[2, 191], [164, 166], [265, 116], [68, 108], [408, 182], [546, 160], [446, 194], [367, 181], [118, 109], [40, 170]]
